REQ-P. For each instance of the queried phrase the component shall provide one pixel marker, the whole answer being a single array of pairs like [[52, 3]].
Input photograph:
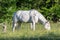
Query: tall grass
[[25, 33]]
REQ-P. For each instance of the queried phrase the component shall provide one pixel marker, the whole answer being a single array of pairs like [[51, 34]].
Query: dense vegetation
[[49, 8]]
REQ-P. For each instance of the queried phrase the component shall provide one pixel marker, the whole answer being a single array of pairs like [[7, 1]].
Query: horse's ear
[[47, 21]]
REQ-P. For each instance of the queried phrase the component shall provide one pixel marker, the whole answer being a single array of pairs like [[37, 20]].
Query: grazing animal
[[30, 16]]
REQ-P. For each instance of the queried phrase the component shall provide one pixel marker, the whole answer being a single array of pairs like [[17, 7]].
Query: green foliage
[[47, 7], [7, 9], [55, 12]]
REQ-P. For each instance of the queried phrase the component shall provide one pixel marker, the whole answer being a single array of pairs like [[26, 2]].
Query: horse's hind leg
[[14, 26], [19, 25]]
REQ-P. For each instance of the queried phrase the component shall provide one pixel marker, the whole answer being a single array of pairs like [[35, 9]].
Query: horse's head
[[47, 25]]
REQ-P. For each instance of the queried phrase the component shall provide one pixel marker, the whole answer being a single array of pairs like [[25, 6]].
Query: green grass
[[25, 33]]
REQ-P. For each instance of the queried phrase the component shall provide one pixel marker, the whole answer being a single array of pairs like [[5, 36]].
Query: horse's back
[[23, 16], [26, 15]]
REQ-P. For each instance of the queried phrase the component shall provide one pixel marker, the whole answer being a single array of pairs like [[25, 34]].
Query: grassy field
[[25, 33]]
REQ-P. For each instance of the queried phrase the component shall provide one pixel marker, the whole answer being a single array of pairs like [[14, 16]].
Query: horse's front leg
[[33, 26]]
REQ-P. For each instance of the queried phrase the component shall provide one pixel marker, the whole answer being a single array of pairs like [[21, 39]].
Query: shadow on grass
[[50, 36]]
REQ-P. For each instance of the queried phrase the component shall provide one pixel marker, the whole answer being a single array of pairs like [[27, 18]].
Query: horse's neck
[[42, 18]]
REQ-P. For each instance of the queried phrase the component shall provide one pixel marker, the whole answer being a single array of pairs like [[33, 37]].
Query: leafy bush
[[49, 8], [55, 10]]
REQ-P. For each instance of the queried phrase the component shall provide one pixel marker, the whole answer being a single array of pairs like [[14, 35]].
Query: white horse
[[30, 16]]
